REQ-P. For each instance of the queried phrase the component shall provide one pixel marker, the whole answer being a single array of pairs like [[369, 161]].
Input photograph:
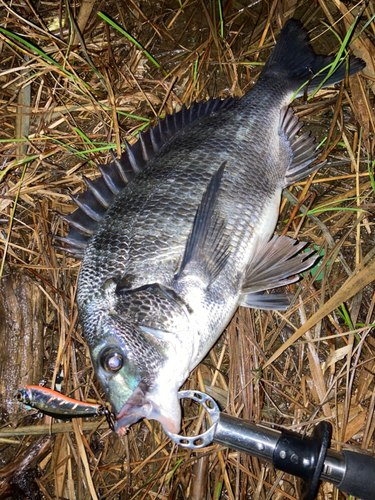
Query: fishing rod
[[309, 458]]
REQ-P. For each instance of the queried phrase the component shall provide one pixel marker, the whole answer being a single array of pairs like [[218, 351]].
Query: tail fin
[[294, 60]]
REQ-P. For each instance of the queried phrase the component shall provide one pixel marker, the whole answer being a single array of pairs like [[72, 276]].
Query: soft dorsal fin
[[207, 248], [93, 204], [303, 147]]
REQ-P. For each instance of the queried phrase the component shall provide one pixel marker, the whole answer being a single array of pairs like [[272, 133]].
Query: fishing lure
[[57, 405]]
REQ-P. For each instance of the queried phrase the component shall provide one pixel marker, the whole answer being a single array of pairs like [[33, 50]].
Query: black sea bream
[[178, 233]]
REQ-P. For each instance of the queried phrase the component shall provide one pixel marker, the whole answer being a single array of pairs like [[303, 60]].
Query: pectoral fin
[[168, 337], [276, 264], [207, 248]]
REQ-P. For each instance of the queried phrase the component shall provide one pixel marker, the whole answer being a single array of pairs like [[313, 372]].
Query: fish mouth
[[140, 406]]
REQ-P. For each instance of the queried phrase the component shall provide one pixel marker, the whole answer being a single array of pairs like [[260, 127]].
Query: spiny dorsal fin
[[303, 148], [101, 192], [207, 248]]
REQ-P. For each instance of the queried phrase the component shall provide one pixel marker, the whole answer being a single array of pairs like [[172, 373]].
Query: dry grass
[[64, 107]]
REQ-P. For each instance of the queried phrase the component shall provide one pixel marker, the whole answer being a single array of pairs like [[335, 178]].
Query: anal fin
[[266, 301], [276, 264], [207, 248]]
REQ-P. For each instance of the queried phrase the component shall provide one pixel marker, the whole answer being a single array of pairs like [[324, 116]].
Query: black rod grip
[[359, 478]]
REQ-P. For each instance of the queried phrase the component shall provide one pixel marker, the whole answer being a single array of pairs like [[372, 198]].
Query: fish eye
[[22, 396], [111, 359]]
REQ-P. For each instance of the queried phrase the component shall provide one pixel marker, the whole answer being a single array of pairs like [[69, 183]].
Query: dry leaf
[[350, 288], [315, 368], [336, 356], [355, 425], [359, 106], [362, 47]]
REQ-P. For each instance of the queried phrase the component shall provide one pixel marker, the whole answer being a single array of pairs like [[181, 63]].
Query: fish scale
[[177, 233], [188, 186]]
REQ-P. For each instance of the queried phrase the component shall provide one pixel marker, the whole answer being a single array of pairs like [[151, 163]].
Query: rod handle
[[359, 478]]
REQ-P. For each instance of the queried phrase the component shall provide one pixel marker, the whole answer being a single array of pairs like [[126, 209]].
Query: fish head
[[141, 355]]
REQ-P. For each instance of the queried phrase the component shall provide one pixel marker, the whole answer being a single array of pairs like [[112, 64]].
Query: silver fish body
[[188, 239]]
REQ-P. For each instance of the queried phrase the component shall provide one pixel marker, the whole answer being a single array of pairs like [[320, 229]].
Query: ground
[[74, 83]]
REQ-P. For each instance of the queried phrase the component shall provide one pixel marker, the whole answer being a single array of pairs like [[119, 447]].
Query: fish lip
[[133, 410], [140, 406]]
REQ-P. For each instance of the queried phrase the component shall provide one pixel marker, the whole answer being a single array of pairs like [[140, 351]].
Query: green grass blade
[[365, 26], [35, 49], [133, 40], [339, 55], [344, 199], [122, 113], [171, 474], [339, 58], [45, 57], [346, 317], [371, 172], [84, 136], [75, 30], [195, 72], [321, 143], [332, 209], [309, 81], [218, 490], [70, 149], [221, 19]]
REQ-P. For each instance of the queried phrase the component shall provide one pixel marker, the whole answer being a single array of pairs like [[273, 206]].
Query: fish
[[179, 231], [55, 404]]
